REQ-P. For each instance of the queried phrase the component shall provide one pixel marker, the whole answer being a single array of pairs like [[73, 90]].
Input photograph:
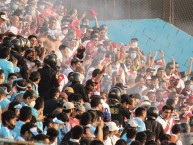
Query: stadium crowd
[[63, 82]]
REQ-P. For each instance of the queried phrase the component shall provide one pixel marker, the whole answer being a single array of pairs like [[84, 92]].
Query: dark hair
[[4, 52], [170, 102], [12, 74], [21, 84], [77, 132], [29, 93], [166, 137], [85, 141], [7, 116], [32, 36], [131, 133], [95, 102], [26, 128], [25, 113], [96, 142], [52, 133], [150, 135], [136, 142], [86, 119], [77, 97], [63, 117], [34, 76], [96, 72], [39, 103], [167, 107], [62, 47], [121, 142], [139, 111], [12, 105], [52, 93], [126, 100], [1, 72], [40, 137], [93, 114], [141, 136]]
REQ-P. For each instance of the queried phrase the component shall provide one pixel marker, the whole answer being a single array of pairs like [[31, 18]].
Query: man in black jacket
[[48, 76], [152, 124], [119, 105]]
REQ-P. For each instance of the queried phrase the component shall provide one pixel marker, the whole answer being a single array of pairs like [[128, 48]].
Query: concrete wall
[[154, 34]]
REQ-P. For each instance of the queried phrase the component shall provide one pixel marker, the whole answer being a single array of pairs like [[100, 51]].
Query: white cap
[[145, 102], [133, 123], [68, 105], [112, 126]]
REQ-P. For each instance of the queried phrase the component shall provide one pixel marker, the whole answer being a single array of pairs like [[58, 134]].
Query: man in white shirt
[[164, 119], [14, 27], [74, 63]]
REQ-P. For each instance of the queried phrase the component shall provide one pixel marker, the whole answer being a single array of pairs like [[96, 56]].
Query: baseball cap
[[145, 102], [68, 105], [34, 131], [107, 116], [80, 108], [133, 123], [150, 69], [18, 106], [112, 126], [69, 90], [3, 16], [57, 121], [76, 59]]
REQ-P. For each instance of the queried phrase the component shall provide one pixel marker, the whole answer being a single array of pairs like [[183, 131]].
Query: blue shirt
[[7, 66], [6, 133], [141, 125], [18, 126], [129, 141], [15, 94], [4, 103]]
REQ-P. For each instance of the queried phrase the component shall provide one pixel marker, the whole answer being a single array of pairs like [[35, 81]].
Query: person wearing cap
[[176, 131], [8, 124], [113, 130], [52, 123], [150, 71], [21, 87], [69, 110], [131, 123]]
